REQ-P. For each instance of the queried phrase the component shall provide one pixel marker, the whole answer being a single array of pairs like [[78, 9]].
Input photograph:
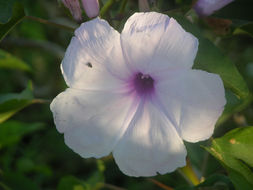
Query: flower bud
[[207, 7], [74, 8], [91, 8]]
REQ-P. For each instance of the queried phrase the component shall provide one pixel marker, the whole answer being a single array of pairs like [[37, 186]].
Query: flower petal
[[150, 144], [193, 100], [94, 58], [91, 120], [153, 41]]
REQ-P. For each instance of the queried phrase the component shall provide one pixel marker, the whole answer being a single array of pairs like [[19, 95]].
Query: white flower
[[134, 94]]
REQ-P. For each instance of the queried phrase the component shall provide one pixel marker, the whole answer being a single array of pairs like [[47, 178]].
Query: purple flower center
[[143, 84]]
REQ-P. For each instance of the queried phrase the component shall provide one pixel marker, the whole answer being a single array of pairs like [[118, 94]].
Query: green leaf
[[17, 16], [71, 183], [185, 187], [94, 182], [213, 182], [239, 9], [28, 165], [216, 180], [10, 62], [239, 181], [234, 105], [12, 131], [245, 29], [5, 10], [240, 13], [211, 59], [12, 103], [17, 181], [4, 187], [235, 151]]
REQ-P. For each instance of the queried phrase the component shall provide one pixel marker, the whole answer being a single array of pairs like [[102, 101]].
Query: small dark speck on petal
[[89, 64]]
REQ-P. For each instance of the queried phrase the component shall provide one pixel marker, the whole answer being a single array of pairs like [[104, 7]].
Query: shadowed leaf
[[211, 59], [12, 103], [17, 15], [12, 131], [10, 62], [235, 151]]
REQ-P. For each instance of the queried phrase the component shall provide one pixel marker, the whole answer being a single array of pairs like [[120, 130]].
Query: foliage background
[[33, 155]]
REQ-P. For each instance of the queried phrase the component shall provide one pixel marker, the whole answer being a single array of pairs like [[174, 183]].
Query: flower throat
[[144, 84]]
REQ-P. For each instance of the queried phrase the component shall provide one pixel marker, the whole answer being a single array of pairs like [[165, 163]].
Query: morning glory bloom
[[135, 94], [208, 7]]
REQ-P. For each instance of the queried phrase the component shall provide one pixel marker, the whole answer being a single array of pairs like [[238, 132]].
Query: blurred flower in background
[[208, 7], [74, 8], [91, 8]]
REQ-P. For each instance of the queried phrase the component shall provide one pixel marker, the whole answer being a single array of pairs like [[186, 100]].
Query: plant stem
[[40, 101], [122, 6], [47, 46], [106, 7], [47, 22], [165, 187], [120, 14], [189, 174]]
